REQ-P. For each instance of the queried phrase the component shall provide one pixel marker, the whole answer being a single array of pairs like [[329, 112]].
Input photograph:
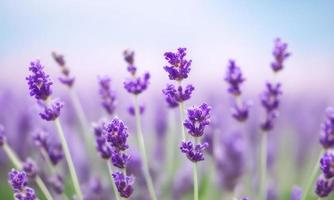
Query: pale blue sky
[[92, 35]]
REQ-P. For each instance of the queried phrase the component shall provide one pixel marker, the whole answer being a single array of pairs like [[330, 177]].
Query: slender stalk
[[69, 160], [141, 142], [263, 166], [112, 180], [312, 177], [181, 110], [18, 165], [195, 181]]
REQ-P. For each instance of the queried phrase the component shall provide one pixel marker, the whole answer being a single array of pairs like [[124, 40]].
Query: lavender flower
[[107, 94], [234, 78], [18, 182], [194, 152], [103, 148], [39, 82], [116, 134], [129, 58], [175, 96], [327, 134], [66, 78], [324, 186], [124, 184], [132, 111], [280, 55], [137, 85], [119, 159], [57, 183], [2, 135], [179, 67], [240, 112], [327, 165], [198, 119], [296, 193], [30, 168], [51, 111]]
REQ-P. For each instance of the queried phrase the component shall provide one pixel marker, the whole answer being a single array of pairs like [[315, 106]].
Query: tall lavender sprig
[[19, 183], [135, 86], [108, 96], [198, 119], [37, 80], [270, 102]]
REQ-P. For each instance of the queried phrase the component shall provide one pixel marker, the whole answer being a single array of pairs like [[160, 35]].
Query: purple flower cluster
[[39, 82], [240, 112], [198, 119], [137, 85], [66, 77], [18, 182], [50, 111], [129, 57], [30, 168], [270, 101], [178, 68], [48, 147], [280, 55], [174, 95], [108, 96], [234, 78], [111, 140], [325, 183]]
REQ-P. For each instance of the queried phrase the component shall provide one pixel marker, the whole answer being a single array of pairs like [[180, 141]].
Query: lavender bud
[[57, 183], [137, 85], [119, 159], [51, 111], [58, 58], [65, 79], [327, 134], [2, 135], [198, 119], [194, 152], [39, 82], [103, 148], [55, 152], [30, 168], [324, 186], [108, 96], [327, 165], [234, 78], [280, 55], [179, 67], [116, 134], [17, 179], [124, 184], [132, 111], [241, 112], [270, 97], [175, 96], [129, 58]]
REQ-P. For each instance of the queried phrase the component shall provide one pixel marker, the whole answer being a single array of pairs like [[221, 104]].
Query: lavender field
[[177, 100]]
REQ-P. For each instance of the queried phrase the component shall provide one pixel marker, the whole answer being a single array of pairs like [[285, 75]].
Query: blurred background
[[93, 34]]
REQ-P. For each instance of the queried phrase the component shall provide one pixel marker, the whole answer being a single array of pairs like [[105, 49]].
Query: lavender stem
[[312, 177], [69, 160], [263, 166], [112, 180], [17, 163], [195, 175], [141, 142], [181, 110]]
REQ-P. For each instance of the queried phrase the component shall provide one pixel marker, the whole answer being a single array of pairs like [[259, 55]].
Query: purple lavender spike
[[280, 55], [138, 84], [108, 96], [179, 67], [30, 168], [66, 78], [174, 95], [18, 182], [116, 134], [51, 111], [194, 152], [129, 58], [198, 119], [327, 134], [124, 184], [327, 164], [324, 187], [234, 78], [119, 159]]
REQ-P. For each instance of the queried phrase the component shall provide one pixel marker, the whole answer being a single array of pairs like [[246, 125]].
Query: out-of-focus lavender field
[[168, 100]]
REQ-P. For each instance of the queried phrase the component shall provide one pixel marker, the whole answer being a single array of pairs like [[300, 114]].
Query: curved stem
[[141, 143], [69, 160], [112, 180], [263, 166], [313, 176], [18, 165]]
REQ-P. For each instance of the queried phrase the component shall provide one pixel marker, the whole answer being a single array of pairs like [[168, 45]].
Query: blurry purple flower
[[137, 85], [51, 111], [324, 186], [175, 96], [327, 134], [117, 134], [39, 82], [132, 111], [119, 159], [129, 58], [65, 79], [2, 135], [107, 94], [270, 97], [268, 124], [179, 67], [94, 190], [241, 112], [234, 78], [296, 193], [55, 152], [30, 168], [198, 119], [194, 152], [124, 184], [327, 164], [280, 54], [17, 179], [57, 183], [245, 198], [102, 147]]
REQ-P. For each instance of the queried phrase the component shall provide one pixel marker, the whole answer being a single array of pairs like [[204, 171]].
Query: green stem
[[18, 165], [195, 181], [181, 110], [112, 180], [263, 166], [141, 142], [68, 158], [312, 177]]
